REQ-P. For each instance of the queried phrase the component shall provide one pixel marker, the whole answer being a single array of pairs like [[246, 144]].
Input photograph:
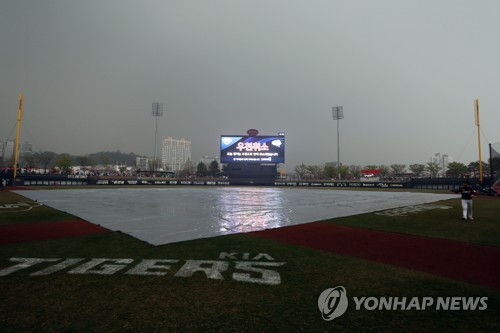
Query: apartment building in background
[[175, 154]]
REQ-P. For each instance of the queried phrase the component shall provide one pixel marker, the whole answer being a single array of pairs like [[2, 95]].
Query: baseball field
[[410, 269]]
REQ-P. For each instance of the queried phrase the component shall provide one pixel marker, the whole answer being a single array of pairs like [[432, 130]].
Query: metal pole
[[338, 145], [157, 112], [16, 148], [338, 113], [491, 167], [478, 123], [156, 138]]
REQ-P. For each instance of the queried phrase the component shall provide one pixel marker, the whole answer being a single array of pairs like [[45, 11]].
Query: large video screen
[[252, 149]]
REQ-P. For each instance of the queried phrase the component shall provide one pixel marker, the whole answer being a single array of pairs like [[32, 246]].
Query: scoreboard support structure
[[251, 174]]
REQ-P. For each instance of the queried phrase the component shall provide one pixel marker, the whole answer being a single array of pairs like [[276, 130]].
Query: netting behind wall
[[495, 161]]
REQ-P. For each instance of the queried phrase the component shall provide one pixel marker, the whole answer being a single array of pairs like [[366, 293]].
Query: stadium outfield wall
[[79, 180]]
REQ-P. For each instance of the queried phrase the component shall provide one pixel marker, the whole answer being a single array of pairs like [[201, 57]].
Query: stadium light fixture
[[157, 112], [338, 113]]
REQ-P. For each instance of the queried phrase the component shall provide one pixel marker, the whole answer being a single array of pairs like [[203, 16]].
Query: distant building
[[26, 147], [143, 163], [175, 154], [207, 160], [442, 160], [7, 149]]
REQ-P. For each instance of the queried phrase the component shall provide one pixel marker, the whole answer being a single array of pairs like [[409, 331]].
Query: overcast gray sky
[[406, 73]]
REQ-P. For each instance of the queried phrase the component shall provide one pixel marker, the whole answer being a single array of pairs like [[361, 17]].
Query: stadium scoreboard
[[252, 149]]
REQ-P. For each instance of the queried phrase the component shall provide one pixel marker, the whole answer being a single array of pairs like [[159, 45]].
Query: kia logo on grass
[[332, 303]]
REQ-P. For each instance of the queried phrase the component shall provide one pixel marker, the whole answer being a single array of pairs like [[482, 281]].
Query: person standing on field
[[467, 193]]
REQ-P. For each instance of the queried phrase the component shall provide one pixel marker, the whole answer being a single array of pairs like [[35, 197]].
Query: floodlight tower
[[338, 113], [157, 112]]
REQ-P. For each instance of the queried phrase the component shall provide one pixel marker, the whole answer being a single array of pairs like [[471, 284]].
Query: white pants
[[466, 209]]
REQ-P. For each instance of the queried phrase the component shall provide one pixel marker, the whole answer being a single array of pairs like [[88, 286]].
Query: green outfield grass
[[122, 302], [440, 223]]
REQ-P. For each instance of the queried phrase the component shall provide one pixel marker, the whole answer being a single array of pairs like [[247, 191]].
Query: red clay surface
[[450, 259], [21, 233], [17, 188]]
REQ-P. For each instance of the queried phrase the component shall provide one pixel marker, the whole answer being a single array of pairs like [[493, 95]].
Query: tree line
[[330, 171], [48, 160], [213, 169]]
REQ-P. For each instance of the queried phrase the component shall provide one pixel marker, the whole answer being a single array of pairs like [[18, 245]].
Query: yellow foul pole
[[478, 124], [16, 147]]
